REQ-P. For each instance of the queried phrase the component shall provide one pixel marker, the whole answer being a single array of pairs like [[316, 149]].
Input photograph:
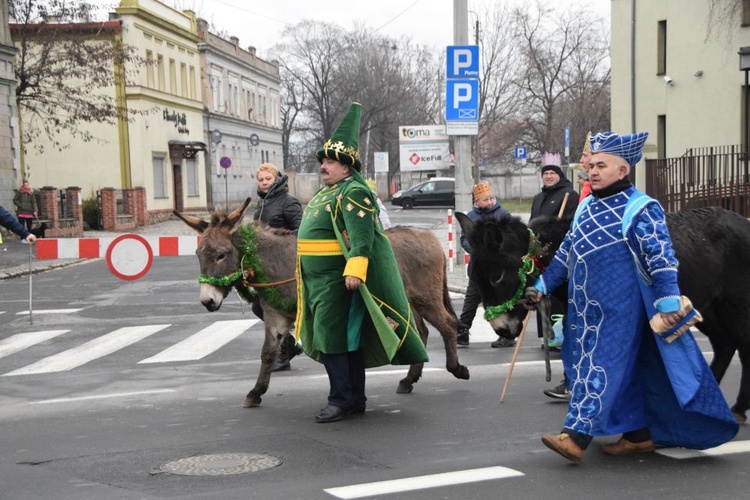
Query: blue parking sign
[[463, 61], [462, 100], [519, 152]]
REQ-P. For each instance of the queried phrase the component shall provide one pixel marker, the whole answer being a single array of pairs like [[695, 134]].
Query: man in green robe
[[352, 311]]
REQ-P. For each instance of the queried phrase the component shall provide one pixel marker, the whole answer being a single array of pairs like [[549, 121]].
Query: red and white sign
[[129, 257], [111, 247]]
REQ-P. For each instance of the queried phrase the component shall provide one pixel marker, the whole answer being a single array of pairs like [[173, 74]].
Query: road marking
[[422, 482], [729, 448], [204, 342], [21, 341], [373, 373], [49, 311], [102, 346], [102, 396]]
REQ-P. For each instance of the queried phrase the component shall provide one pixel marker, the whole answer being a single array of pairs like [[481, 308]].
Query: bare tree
[[332, 67], [563, 59], [59, 87], [500, 94]]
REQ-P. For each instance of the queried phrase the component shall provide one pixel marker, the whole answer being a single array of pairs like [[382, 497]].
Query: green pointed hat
[[343, 146]]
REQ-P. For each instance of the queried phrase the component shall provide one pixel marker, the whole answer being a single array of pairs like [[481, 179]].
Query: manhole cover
[[223, 464]]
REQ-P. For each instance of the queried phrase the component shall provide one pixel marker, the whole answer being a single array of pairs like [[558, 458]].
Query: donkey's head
[[218, 253], [499, 262]]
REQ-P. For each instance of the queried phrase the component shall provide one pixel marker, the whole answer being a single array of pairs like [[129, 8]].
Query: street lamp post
[[745, 66]]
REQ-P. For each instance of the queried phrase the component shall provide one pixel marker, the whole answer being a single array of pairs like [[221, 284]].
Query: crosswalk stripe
[[422, 482], [102, 346], [729, 448], [21, 341], [203, 343], [49, 311]]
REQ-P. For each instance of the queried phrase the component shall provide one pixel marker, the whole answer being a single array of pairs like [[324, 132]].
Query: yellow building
[[161, 145], [674, 78]]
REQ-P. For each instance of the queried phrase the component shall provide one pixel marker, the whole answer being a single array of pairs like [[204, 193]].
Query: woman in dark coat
[[277, 208]]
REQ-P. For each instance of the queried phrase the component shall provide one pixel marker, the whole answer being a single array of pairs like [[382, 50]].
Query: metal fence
[[703, 177]]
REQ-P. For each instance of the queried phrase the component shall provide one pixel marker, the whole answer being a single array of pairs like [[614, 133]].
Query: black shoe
[[356, 410], [462, 339], [503, 342], [559, 392], [330, 414]]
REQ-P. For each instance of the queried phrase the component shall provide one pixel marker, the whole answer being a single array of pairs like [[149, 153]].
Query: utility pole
[[462, 143]]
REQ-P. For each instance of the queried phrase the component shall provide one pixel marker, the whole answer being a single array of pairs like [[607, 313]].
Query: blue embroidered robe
[[622, 377]]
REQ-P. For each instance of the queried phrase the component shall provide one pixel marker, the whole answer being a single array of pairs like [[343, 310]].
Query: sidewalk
[[14, 256]]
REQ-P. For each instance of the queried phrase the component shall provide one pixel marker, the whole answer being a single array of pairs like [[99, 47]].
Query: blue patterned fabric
[[622, 377], [628, 147]]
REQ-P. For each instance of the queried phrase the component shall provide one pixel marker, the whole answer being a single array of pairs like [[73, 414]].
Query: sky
[[259, 23]]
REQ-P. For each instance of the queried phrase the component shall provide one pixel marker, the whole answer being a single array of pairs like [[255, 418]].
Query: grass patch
[[515, 205]]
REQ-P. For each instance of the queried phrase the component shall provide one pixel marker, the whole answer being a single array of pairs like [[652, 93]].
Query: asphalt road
[[109, 399]]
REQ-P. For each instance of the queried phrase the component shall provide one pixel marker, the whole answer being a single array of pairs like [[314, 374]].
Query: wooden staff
[[562, 207], [515, 356]]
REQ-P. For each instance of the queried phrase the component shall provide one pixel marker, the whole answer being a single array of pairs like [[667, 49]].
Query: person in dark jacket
[[9, 222], [486, 207], [277, 208], [25, 203], [554, 188]]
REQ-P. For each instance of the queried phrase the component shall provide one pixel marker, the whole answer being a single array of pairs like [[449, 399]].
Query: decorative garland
[[529, 266], [250, 267]]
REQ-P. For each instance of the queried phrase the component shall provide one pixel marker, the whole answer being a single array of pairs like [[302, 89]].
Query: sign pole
[[462, 143]]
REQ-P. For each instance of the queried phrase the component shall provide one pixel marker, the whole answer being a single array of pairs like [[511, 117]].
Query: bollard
[[451, 243]]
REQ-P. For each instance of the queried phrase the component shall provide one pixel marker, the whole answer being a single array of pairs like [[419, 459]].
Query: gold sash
[[318, 247]]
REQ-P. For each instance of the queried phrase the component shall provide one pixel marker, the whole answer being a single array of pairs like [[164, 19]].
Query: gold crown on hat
[[482, 190]]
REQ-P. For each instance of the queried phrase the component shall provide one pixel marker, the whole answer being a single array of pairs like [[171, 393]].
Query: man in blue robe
[[627, 376]]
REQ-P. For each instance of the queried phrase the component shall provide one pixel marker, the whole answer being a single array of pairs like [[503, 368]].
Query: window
[[661, 136], [192, 82], [661, 49], [183, 79], [745, 13], [149, 69], [216, 97], [160, 70], [192, 176], [159, 183], [172, 77]]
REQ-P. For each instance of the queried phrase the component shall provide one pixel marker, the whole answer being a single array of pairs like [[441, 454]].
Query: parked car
[[438, 191]]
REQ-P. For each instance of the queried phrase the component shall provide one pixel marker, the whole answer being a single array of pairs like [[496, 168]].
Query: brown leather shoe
[[625, 447], [563, 445]]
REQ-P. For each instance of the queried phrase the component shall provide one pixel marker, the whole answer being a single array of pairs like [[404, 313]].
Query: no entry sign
[[129, 257]]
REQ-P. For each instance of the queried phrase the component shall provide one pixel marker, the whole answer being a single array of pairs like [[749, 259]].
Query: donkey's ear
[[233, 219], [196, 223], [467, 225]]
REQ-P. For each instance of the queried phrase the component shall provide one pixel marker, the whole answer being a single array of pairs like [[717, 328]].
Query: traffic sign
[[462, 99], [129, 257], [225, 162], [463, 61], [519, 152]]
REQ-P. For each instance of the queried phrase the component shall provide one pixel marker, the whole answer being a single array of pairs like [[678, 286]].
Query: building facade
[[674, 78], [9, 171], [159, 146], [242, 122]]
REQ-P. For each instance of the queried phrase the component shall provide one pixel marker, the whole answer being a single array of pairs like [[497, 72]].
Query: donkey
[[267, 263], [712, 246]]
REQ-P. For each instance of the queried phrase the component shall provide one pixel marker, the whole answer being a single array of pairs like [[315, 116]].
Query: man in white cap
[[646, 380]]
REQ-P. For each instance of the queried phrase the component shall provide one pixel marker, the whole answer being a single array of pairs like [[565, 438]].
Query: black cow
[[711, 244]]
